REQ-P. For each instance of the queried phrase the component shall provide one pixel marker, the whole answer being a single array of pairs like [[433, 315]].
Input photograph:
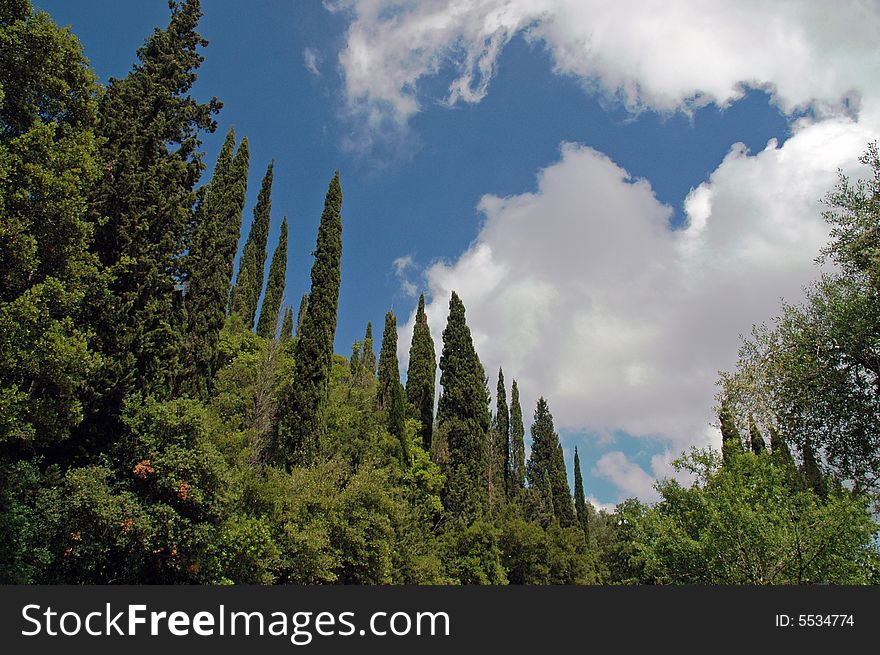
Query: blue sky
[[599, 189]]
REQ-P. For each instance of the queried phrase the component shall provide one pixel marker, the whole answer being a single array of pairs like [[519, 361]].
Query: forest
[[159, 424]]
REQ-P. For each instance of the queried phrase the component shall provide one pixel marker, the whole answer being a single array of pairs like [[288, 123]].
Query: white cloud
[[600, 506], [311, 59], [402, 266], [666, 56], [631, 479]]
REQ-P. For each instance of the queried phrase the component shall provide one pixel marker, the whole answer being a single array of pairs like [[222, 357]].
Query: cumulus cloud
[[666, 56], [585, 296]]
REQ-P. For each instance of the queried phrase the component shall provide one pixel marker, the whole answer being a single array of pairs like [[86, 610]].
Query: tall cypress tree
[[287, 325], [301, 313], [755, 439], [562, 505], [547, 460], [388, 368], [209, 264], [517, 441], [354, 362], [142, 207], [499, 453], [389, 391], [730, 439], [421, 374], [302, 418], [268, 323], [249, 283], [463, 416], [779, 449], [368, 356], [580, 501]]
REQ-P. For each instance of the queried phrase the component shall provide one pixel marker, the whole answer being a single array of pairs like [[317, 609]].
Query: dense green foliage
[[245, 295], [48, 166], [149, 435], [267, 326]]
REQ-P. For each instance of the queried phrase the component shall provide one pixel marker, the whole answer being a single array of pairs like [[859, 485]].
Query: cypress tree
[[562, 505], [580, 501], [755, 439], [389, 373], [301, 313], [287, 325], [268, 323], [810, 471], [389, 391], [354, 362], [421, 374], [463, 416], [547, 460], [779, 449], [368, 356], [499, 453], [249, 283], [302, 419], [517, 441], [142, 207], [209, 264], [730, 439]]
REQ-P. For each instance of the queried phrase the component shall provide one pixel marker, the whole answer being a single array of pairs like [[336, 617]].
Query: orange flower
[[183, 491], [143, 469]]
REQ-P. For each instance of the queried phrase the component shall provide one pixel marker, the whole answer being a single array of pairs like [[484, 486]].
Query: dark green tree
[[354, 362], [779, 449], [517, 441], [301, 313], [580, 501], [810, 471], [755, 439], [421, 374], [268, 323], [389, 391], [302, 411], [249, 283], [546, 461], [463, 417], [208, 265], [731, 442], [142, 208], [389, 373], [499, 446], [562, 505], [368, 355], [287, 325]]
